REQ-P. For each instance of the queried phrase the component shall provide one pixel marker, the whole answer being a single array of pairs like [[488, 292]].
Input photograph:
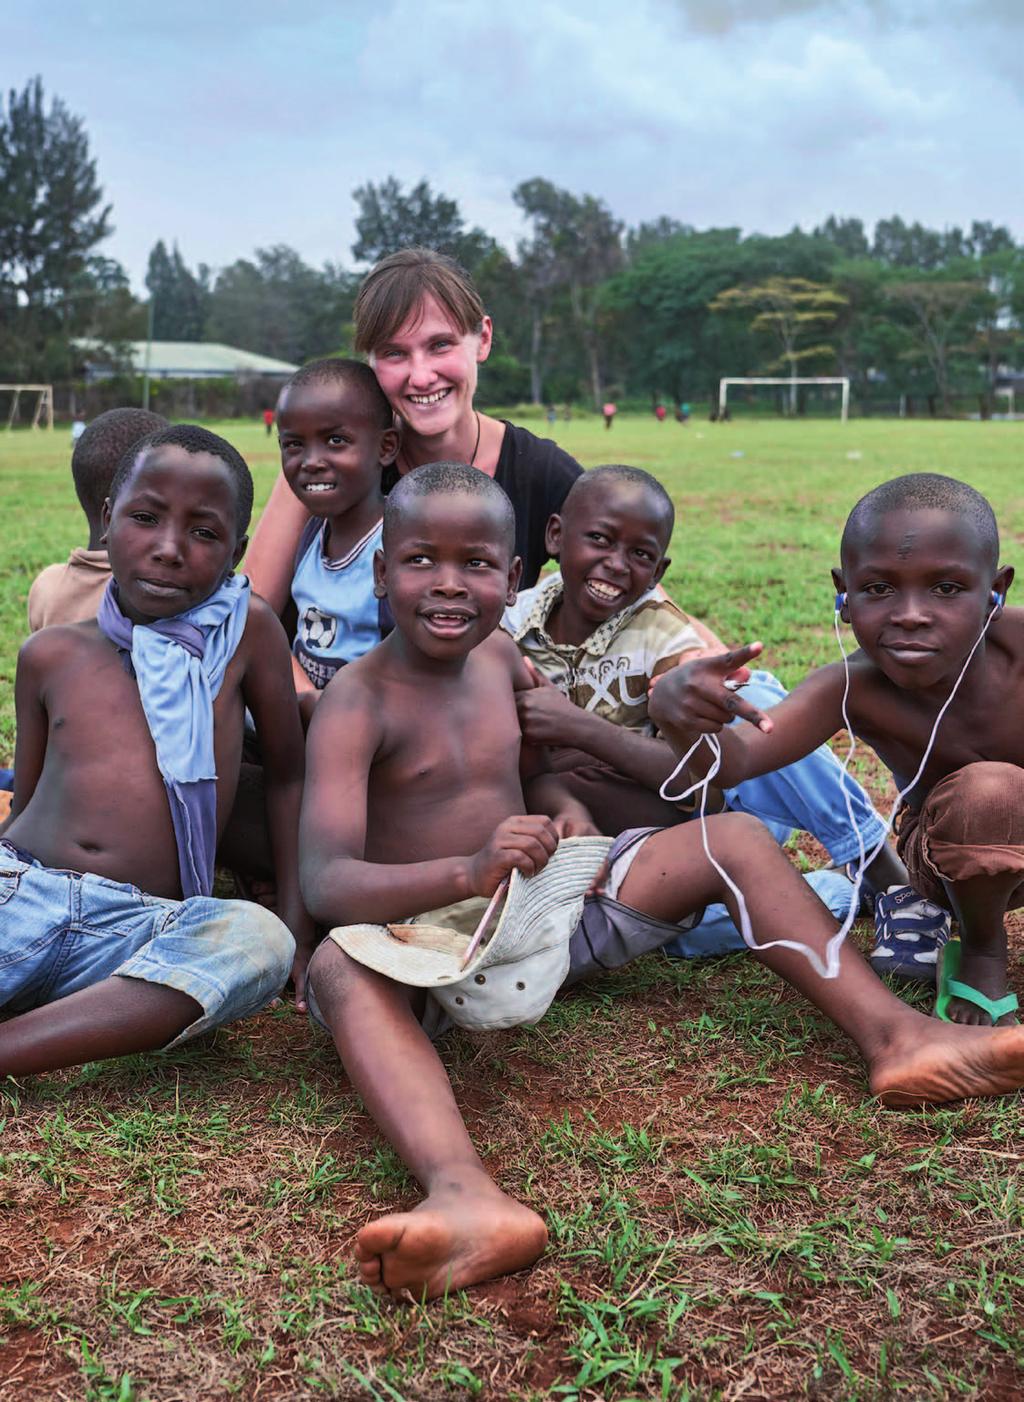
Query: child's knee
[[990, 783], [331, 976], [982, 803], [740, 833]]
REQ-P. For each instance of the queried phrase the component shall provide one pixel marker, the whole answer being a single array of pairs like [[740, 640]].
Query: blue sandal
[[910, 933], [952, 987]]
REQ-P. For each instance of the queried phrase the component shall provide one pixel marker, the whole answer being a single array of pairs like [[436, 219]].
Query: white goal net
[[836, 385], [39, 400]]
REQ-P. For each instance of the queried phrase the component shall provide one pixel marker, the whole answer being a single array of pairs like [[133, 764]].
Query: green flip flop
[[949, 986]]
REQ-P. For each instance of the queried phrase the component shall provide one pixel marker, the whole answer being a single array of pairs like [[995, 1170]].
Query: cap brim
[[423, 956]]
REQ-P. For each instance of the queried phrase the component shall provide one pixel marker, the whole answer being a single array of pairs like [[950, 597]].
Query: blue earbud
[[997, 599], [840, 601]]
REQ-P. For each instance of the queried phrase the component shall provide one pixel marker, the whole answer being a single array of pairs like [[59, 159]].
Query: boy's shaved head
[[453, 478], [100, 449], [351, 375], [193, 439], [922, 491], [611, 474]]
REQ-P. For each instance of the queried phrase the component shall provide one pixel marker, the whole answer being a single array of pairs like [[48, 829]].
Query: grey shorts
[[611, 934]]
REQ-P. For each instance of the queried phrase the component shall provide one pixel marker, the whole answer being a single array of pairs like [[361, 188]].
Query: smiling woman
[[421, 322]]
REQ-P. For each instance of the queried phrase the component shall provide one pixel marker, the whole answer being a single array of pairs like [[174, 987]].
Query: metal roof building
[[183, 360]]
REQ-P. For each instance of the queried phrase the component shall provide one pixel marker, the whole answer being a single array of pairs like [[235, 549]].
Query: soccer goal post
[[43, 408], [792, 382]]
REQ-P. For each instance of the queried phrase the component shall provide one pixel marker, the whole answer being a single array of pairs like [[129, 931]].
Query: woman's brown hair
[[393, 290]]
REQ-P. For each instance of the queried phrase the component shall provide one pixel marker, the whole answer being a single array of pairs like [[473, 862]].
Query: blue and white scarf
[[179, 664]]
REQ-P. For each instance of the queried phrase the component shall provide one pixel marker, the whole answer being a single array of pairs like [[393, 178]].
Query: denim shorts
[[61, 931]]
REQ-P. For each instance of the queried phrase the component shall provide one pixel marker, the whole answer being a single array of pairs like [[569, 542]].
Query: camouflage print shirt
[[609, 673]]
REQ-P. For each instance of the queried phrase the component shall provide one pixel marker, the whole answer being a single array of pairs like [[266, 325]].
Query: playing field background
[[730, 1216]]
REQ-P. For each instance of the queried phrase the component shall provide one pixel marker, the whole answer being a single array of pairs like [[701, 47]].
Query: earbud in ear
[[840, 601], [997, 599]]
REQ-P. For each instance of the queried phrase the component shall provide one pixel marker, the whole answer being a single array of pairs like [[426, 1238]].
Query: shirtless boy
[[414, 800], [93, 967], [919, 580]]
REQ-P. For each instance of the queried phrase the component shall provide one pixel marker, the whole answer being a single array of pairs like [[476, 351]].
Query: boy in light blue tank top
[[336, 432]]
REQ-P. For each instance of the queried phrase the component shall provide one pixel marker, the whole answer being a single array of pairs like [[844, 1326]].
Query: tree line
[[584, 306]]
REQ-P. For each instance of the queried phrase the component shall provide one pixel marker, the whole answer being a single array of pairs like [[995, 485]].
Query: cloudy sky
[[227, 125]]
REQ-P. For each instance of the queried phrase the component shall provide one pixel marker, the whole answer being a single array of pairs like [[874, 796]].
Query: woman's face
[[428, 369]]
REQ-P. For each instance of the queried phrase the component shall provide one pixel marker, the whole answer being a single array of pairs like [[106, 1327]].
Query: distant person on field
[[683, 414], [129, 734], [660, 413], [71, 592], [77, 427], [268, 421], [610, 410], [598, 634]]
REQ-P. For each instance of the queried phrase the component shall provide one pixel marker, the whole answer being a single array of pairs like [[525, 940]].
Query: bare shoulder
[[261, 625], [58, 644], [500, 651], [1007, 636], [356, 692]]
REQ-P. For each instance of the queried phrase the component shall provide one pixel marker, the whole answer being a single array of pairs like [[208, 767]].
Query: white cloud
[[234, 125]]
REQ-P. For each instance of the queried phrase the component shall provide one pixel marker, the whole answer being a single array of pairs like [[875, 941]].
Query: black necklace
[[476, 445]]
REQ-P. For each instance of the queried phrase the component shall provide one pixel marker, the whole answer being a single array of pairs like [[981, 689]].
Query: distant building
[[178, 360]]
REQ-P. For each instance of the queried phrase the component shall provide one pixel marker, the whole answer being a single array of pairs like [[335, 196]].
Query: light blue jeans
[[61, 931], [807, 795]]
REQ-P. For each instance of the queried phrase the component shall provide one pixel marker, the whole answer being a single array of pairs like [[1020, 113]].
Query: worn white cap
[[513, 977]]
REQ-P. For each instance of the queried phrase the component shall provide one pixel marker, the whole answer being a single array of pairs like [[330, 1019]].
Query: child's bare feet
[[939, 1061], [457, 1236]]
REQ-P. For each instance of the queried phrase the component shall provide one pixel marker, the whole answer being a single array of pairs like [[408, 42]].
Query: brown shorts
[[971, 824]]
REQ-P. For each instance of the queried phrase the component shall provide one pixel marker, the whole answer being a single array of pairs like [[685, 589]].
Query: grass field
[[730, 1216]]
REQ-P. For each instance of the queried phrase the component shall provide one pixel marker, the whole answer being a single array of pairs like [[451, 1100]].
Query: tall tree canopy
[[390, 219], [180, 298], [52, 216]]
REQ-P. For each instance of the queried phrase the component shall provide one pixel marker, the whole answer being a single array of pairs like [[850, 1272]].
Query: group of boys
[[445, 766]]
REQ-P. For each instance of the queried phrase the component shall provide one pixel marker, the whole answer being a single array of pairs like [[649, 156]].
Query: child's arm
[[548, 717], [306, 692], [693, 700], [30, 719], [271, 553], [339, 886], [544, 791], [270, 696]]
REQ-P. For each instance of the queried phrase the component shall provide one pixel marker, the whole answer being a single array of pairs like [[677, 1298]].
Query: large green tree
[[278, 305], [793, 313], [576, 246], [52, 216], [180, 298], [390, 218]]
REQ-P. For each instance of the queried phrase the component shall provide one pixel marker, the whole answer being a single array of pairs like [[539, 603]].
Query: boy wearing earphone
[[930, 689]]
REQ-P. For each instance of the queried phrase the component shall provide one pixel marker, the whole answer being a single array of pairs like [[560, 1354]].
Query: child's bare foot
[[457, 1236], [986, 973], [938, 1061]]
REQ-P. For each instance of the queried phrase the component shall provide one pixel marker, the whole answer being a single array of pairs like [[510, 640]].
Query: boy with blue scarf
[[110, 942]]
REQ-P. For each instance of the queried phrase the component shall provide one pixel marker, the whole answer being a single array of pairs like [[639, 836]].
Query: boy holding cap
[[415, 758]]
